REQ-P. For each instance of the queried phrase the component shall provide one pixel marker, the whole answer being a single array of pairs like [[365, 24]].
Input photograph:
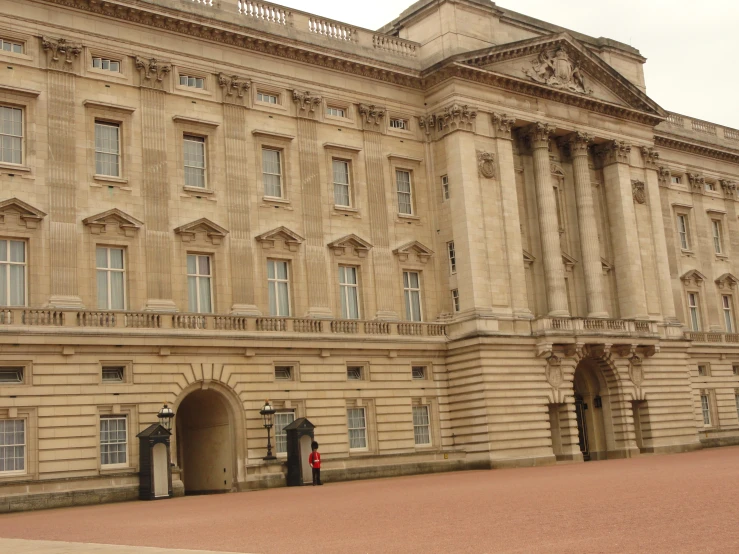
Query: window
[[418, 372], [398, 123], [341, 183], [682, 231], [107, 64], [282, 420], [11, 46], [11, 375], [12, 273], [710, 186], [194, 82], [412, 290], [111, 277], [716, 228], [445, 187], [706, 409], [278, 281], [405, 199], [199, 290], [455, 300], [676, 180], [113, 374], [194, 161], [107, 149], [735, 369], [267, 98], [113, 441], [12, 445], [695, 322], [421, 424], [354, 373], [283, 373], [349, 290], [702, 370], [728, 313], [272, 172], [452, 257], [11, 135], [357, 424], [336, 112]]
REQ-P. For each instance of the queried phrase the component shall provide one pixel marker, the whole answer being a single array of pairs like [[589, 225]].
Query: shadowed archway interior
[[593, 410]]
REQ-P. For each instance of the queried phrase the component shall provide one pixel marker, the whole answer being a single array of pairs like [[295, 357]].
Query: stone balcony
[[712, 338], [565, 326]]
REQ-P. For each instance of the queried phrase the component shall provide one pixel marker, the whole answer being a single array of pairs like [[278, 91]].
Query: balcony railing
[[592, 326], [712, 338], [700, 126]]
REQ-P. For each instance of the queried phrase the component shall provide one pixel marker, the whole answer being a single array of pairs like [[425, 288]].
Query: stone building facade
[[467, 240]]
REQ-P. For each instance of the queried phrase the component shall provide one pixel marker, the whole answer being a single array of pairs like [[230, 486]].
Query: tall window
[[357, 423], [405, 198], [12, 445], [716, 228], [706, 409], [107, 149], [278, 280], [11, 135], [111, 278], [106, 64], [194, 148], [12, 273], [282, 419], [199, 288], [349, 289], [693, 309], [272, 173], [452, 257], [445, 187], [421, 424], [728, 313], [682, 231], [11, 46], [341, 183], [113, 441], [412, 291], [455, 299]]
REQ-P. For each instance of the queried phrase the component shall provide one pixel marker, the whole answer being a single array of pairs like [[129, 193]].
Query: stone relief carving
[[60, 48], [729, 187], [456, 117], [554, 371], [578, 143], [427, 123], [663, 174], [306, 101], [697, 181], [503, 124], [637, 189], [152, 69], [557, 69], [486, 164], [650, 155], [233, 84], [371, 114], [537, 134], [636, 370], [616, 151]]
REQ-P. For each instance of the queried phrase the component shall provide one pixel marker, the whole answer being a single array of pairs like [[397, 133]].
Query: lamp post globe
[[268, 414], [165, 417]]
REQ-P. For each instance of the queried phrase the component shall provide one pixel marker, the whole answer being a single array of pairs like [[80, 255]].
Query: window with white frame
[[710, 186], [676, 180], [11, 46], [107, 149], [199, 283], [12, 375], [111, 278], [405, 195], [716, 231], [342, 196], [282, 420], [421, 425], [12, 273], [682, 231], [278, 281], [349, 291], [272, 172], [706, 409], [354, 373], [357, 424], [728, 313], [452, 257], [399, 123], [336, 112], [694, 311], [192, 82], [418, 372], [194, 157], [11, 135], [412, 293], [113, 441], [12, 445], [267, 98], [455, 300], [445, 187], [107, 64]]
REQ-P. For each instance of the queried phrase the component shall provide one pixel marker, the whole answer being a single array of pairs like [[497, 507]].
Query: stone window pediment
[[568, 261], [528, 259], [606, 265], [727, 281], [693, 277], [20, 212], [291, 239], [212, 232], [350, 244], [423, 253], [105, 222]]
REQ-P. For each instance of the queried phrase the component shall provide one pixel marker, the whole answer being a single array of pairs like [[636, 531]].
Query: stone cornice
[[696, 147]]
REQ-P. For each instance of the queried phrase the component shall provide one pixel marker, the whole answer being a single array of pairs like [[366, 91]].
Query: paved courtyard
[[678, 503]]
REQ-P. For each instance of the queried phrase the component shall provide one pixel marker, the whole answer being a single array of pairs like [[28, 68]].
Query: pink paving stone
[[678, 503]]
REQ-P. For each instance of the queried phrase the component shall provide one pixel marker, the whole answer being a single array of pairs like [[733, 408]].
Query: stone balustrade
[[593, 326], [677, 121], [712, 338]]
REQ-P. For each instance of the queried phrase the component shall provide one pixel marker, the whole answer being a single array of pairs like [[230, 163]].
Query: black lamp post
[[165, 417], [268, 413]]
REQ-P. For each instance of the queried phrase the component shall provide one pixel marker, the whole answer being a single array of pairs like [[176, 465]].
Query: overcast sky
[[690, 46]]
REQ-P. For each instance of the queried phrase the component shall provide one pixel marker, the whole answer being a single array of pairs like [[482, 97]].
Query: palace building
[[469, 239]]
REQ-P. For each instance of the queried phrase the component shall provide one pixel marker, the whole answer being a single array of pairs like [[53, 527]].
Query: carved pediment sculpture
[[107, 221], [152, 69], [291, 239], [233, 85], [637, 190], [61, 49], [213, 232], [306, 101], [372, 115], [486, 164], [422, 252], [693, 277], [727, 281], [350, 244], [21, 212], [557, 69]]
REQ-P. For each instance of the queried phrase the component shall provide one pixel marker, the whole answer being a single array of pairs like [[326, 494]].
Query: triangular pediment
[[528, 258], [727, 281], [26, 214], [350, 243], [568, 261], [693, 276], [562, 63], [423, 253], [203, 226], [112, 219], [291, 239]]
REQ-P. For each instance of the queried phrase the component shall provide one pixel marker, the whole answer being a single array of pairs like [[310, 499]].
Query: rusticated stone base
[[46, 500]]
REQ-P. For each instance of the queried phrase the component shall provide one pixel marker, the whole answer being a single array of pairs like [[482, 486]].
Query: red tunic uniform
[[314, 460]]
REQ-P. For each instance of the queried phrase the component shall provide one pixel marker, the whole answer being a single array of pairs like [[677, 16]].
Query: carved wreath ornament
[[486, 164], [637, 189]]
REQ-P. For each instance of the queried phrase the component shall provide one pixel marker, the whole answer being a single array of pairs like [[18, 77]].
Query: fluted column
[[538, 135], [589, 245]]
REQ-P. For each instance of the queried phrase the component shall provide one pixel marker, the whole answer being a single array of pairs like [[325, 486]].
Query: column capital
[[729, 187], [577, 143], [650, 156], [537, 134], [615, 151], [502, 124], [663, 174], [306, 102]]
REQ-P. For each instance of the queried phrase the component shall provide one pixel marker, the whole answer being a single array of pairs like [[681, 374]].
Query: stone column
[[589, 244], [538, 136], [667, 303], [632, 300]]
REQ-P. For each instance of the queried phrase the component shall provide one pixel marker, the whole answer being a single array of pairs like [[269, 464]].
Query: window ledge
[[110, 179], [15, 167], [15, 476], [346, 209], [278, 106], [197, 191], [110, 470], [107, 73], [687, 252], [202, 91], [722, 256], [270, 201]]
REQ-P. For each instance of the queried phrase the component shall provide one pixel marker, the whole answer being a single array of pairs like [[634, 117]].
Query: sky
[[688, 45]]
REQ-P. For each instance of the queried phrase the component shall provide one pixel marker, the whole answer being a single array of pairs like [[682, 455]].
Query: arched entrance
[[593, 411], [205, 442]]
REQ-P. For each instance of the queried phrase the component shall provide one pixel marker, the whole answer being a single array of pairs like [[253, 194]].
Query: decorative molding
[[291, 239], [272, 134], [213, 232], [427, 123], [697, 181], [637, 190], [663, 175], [350, 244], [553, 371], [456, 117], [60, 48], [729, 187], [108, 106], [727, 281], [636, 370], [693, 277], [99, 224], [404, 158], [372, 116], [152, 69], [615, 151], [528, 259], [20, 91], [569, 262], [503, 125], [234, 85], [27, 215], [650, 156], [194, 121], [701, 149], [555, 68], [606, 266], [537, 134], [346, 147], [577, 143], [486, 164], [306, 101], [423, 253]]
